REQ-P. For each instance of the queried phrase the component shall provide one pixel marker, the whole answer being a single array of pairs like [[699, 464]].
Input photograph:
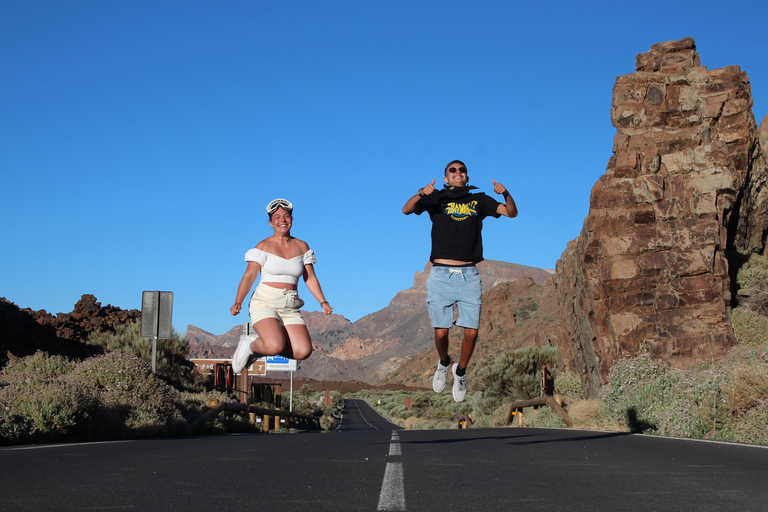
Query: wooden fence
[[269, 416], [241, 386]]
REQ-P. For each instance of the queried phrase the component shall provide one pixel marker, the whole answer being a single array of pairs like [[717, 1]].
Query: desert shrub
[[328, 422], [645, 395], [744, 388], [127, 386], [113, 396], [569, 385], [42, 402], [497, 419], [754, 271], [14, 428], [40, 365], [542, 417], [308, 401], [591, 415], [411, 422], [751, 426], [513, 375], [171, 362], [749, 327], [652, 397]]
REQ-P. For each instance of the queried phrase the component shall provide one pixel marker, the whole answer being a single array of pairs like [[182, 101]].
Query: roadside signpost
[[156, 313]]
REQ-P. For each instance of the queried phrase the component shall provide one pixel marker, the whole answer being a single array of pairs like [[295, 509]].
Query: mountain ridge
[[373, 347]]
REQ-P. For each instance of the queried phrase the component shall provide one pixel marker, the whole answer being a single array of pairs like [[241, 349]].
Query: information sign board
[[280, 364]]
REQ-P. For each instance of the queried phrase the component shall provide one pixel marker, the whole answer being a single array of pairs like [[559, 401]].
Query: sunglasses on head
[[454, 170], [279, 203]]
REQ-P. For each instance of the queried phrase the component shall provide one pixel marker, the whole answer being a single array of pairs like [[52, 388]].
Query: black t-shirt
[[457, 222]]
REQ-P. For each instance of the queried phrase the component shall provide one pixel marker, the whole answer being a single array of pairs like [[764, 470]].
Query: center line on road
[[392, 495], [394, 446]]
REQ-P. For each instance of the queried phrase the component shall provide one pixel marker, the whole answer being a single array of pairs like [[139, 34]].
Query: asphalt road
[[368, 464]]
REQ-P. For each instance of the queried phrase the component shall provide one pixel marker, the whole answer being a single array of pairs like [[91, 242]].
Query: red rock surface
[[684, 189]]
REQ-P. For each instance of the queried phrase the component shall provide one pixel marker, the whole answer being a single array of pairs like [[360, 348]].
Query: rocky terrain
[[376, 345], [682, 201], [25, 331]]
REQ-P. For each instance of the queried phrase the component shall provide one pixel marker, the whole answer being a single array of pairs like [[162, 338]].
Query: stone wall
[[684, 189]]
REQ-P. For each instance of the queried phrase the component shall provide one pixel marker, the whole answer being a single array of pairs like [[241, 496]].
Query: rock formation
[[25, 331], [684, 191]]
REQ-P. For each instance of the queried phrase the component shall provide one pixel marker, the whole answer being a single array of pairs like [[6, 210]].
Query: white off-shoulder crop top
[[275, 269]]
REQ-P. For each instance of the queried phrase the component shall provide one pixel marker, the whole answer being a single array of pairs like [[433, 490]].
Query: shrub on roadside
[[749, 327], [513, 375], [171, 363], [113, 396]]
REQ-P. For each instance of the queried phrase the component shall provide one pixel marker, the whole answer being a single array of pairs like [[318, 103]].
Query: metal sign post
[[156, 314]]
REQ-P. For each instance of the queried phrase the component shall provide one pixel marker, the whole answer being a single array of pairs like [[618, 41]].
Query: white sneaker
[[242, 353], [459, 385], [441, 376]]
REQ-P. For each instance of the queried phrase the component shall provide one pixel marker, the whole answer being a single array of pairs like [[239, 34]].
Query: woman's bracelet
[[324, 302]]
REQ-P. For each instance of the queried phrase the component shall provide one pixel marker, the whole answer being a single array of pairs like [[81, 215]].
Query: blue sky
[[141, 140]]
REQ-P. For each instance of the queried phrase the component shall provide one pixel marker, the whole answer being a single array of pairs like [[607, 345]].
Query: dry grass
[[591, 415], [745, 389]]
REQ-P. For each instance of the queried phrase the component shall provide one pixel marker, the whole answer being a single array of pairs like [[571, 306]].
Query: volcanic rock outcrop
[[684, 193], [25, 331]]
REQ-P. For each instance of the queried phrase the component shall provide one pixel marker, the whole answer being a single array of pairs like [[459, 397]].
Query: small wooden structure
[[547, 390]]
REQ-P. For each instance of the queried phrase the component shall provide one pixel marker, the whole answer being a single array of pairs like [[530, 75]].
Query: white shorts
[[278, 303]]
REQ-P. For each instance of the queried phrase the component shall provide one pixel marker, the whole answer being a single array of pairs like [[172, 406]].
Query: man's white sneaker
[[441, 376], [242, 353], [459, 385]]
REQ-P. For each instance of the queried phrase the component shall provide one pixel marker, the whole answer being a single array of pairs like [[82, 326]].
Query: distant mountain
[[375, 346], [517, 314]]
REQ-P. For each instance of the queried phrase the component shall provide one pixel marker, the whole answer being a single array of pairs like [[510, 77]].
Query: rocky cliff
[[683, 195]]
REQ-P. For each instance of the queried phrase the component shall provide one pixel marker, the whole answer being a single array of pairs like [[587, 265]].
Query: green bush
[[113, 396], [171, 363], [722, 400], [749, 327], [754, 272], [569, 385], [511, 376], [650, 396]]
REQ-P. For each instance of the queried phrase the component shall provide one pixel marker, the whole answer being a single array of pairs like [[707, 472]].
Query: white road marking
[[394, 446], [392, 495]]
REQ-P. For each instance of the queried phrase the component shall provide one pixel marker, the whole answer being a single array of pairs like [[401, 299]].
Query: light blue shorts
[[447, 286]]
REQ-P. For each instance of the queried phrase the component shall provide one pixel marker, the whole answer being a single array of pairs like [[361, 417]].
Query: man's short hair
[[455, 162]]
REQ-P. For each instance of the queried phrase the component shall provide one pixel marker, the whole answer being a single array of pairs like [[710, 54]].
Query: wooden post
[[550, 401], [244, 386], [265, 423]]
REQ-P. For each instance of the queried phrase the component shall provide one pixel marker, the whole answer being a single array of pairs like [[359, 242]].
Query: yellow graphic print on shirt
[[461, 211]]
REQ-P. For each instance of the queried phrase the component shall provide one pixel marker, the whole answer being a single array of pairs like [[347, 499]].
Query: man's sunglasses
[[454, 170], [279, 203]]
